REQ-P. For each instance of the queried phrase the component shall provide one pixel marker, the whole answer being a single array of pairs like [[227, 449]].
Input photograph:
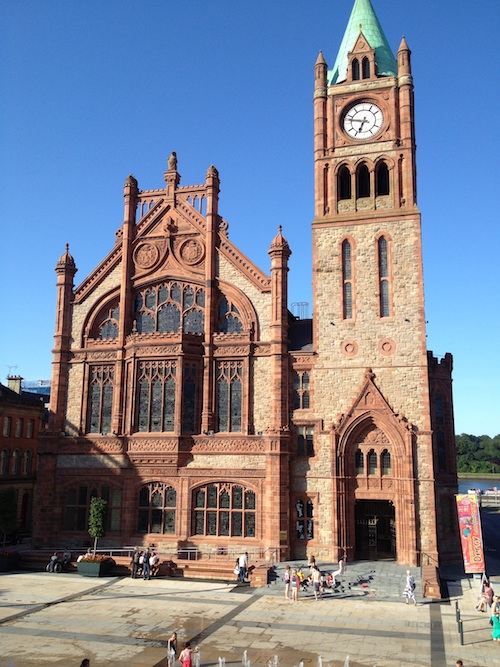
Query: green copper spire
[[363, 19]]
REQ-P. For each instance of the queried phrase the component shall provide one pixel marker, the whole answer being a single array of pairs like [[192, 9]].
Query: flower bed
[[95, 566]]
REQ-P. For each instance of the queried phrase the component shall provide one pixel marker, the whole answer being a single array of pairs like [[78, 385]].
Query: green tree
[[97, 519], [8, 511]]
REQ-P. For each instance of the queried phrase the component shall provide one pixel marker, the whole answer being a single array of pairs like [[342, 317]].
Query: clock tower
[[371, 374]]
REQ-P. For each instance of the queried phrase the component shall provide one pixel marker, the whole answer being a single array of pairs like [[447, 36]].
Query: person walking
[[145, 564], [409, 591], [185, 656], [243, 565]]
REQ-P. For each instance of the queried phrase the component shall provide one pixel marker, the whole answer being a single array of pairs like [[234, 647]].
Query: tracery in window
[[347, 281], [156, 389], [228, 317], [77, 505], [100, 399], [224, 509], [301, 388], [108, 328], [383, 273], [161, 308], [229, 396], [157, 509]]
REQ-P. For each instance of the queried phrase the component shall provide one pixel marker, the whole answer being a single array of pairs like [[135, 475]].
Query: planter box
[[95, 569], [8, 563]]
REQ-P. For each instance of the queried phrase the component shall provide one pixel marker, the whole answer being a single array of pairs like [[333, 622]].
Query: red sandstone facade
[[21, 422], [186, 394]]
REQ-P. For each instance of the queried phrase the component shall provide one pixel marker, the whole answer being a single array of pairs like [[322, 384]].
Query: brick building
[[22, 418], [186, 394]]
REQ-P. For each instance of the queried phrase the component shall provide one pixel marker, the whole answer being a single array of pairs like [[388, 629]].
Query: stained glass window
[[219, 511], [386, 463], [108, 328], [229, 396], [156, 396], [161, 308], [372, 462], [190, 416], [101, 399], [228, 315], [157, 509]]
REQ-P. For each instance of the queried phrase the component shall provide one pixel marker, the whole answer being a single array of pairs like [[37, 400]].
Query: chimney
[[15, 383]]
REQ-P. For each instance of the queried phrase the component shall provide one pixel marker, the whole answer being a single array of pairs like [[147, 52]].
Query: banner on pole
[[469, 522]]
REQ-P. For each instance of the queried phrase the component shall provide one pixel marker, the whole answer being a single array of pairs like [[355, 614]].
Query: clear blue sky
[[92, 91]]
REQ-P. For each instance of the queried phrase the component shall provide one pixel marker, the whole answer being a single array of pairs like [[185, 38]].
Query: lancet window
[[304, 518], [156, 393], [229, 396], [108, 329], [100, 399], [347, 281], [224, 509], [301, 389]]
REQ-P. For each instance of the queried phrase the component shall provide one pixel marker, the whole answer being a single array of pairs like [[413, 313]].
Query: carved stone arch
[[98, 312], [347, 164], [377, 429], [249, 317], [247, 485], [364, 160], [387, 159]]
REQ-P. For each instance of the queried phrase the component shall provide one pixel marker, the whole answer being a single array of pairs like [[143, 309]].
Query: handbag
[[236, 570]]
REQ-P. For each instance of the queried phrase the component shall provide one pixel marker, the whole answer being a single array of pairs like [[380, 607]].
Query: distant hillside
[[478, 453]]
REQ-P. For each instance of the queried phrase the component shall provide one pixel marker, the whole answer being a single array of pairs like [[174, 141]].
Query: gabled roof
[[363, 19]]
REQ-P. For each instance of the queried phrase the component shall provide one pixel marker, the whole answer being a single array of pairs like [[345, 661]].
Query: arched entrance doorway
[[375, 530]]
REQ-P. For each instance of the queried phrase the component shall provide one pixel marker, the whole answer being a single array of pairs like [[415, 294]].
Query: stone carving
[[152, 445], [349, 348], [146, 255], [227, 446], [191, 251], [387, 346], [231, 351], [172, 161]]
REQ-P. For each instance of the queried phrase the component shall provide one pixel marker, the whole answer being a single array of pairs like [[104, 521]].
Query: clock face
[[363, 120]]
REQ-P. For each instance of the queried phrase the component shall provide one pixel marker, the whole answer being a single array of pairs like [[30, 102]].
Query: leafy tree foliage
[[478, 453], [97, 519]]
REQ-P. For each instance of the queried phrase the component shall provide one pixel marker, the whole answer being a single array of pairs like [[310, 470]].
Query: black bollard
[[457, 611], [461, 631]]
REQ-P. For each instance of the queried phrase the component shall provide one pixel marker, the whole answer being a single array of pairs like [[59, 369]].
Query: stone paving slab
[[55, 620]]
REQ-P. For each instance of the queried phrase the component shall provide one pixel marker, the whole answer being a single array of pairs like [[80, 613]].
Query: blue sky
[[92, 91]]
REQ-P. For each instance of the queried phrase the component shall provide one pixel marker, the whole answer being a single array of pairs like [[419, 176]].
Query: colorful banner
[[469, 522]]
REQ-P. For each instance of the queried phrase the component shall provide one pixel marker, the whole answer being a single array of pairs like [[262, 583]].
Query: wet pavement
[[58, 619]]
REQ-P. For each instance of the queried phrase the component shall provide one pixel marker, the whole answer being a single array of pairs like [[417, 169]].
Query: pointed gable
[[363, 20]]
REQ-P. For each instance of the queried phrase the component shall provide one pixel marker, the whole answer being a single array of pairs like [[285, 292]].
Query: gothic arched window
[[156, 392], [363, 181], [100, 399], [355, 69], [108, 328], [301, 399], [229, 396], [382, 185], [365, 66], [344, 183], [386, 463], [359, 462], [229, 317], [157, 509], [224, 509], [161, 308], [372, 462]]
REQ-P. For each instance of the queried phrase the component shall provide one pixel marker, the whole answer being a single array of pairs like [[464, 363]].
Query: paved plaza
[[58, 619]]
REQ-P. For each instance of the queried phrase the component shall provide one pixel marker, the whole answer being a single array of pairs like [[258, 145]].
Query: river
[[477, 483]]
